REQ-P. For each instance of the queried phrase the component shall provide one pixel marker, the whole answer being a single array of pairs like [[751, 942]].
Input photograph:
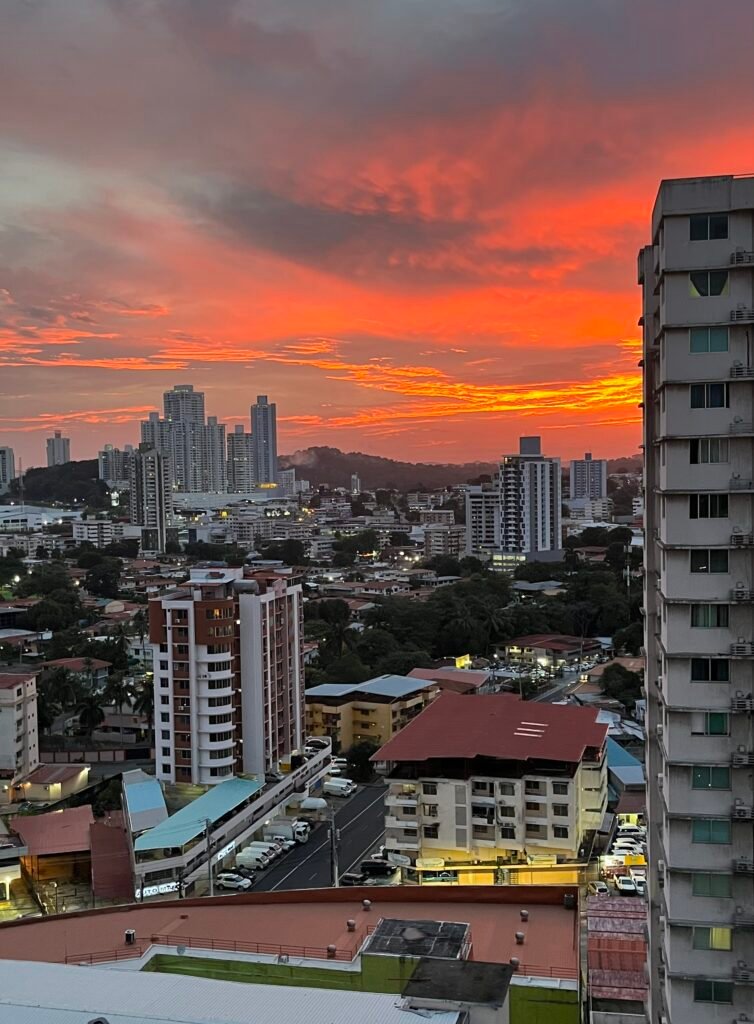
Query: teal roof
[[618, 757], [380, 686], [186, 824]]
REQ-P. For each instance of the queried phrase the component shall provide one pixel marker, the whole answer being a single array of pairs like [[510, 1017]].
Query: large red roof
[[64, 831], [495, 725]]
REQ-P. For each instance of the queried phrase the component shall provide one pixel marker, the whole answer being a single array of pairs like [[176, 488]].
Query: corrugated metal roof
[[330, 690], [618, 756], [64, 831], [190, 821], [144, 800], [58, 994], [380, 686]]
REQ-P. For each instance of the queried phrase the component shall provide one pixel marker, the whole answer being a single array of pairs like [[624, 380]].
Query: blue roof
[[619, 757], [380, 686], [186, 824], [144, 800]]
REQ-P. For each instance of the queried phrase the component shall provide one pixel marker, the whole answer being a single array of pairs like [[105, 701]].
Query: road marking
[[363, 854], [321, 846]]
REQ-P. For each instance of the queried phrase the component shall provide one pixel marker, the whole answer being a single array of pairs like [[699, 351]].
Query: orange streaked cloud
[[415, 228]]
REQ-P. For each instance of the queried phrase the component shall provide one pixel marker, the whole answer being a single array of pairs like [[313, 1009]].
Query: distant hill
[[322, 465], [75, 481], [625, 464]]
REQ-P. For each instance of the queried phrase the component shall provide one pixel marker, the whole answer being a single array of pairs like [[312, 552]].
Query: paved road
[[361, 822], [559, 690]]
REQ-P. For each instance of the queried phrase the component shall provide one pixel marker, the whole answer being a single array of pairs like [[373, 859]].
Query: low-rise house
[[87, 669], [551, 650]]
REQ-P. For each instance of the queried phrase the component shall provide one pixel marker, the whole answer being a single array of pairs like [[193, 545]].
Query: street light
[[316, 803]]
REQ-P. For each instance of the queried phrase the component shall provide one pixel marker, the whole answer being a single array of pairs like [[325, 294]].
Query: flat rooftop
[[318, 918]]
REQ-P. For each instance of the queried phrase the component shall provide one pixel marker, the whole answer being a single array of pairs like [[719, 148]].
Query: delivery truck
[[287, 828]]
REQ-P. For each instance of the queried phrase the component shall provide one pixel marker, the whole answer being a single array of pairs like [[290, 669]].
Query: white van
[[339, 787], [270, 848], [255, 859]]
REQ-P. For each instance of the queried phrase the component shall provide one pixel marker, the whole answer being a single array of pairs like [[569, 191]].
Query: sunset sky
[[412, 223]]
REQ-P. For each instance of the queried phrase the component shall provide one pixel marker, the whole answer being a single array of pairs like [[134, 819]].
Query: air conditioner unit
[[740, 812]]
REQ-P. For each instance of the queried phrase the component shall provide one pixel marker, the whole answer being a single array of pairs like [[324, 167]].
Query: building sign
[[226, 850], [156, 890], [429, 863], [399, 859]]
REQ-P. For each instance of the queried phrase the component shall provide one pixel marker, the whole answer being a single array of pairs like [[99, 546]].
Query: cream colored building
[[698, 317], [19, 741], [495, 780], [375, 710]]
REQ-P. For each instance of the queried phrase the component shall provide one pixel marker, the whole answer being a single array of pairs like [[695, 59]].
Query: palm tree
[[90, 712], [119, 691], [144, 704]]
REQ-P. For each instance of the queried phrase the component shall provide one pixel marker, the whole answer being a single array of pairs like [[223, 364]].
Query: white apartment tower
[[113, 465], [264, 440], [530, 507], [58, 450], [7, 469], [228, 675], [482, 520], [195, 448], [151, 497], [698, 318], [240, 461], [588, 478], [19, 741]]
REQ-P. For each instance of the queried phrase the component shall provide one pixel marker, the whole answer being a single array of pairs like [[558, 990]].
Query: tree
[[359, 756], [60, 687], [144, 704], [41, 552], [291, 551], [348, 669], [89, 557], [91, 713], [43, 580], [103, 579], [445, 565], [119, 692], [400, 663], [630, 638], [621, 684]]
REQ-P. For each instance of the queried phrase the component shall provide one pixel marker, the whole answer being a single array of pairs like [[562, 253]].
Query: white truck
[[339, 787], [286, 828]]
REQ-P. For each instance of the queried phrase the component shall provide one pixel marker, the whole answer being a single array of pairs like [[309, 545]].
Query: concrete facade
[[58, 450], [698, 315], [588, 477], [19, 739], [7, 468]]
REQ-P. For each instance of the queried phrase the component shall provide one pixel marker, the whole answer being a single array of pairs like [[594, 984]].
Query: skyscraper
[[264, 440], [7, 469], [195, 449], [228, 674], [114, 465], [698, 315], [588, 478], [58, 450], [184, 405], [530, 506], [240, 461], [150, 496]]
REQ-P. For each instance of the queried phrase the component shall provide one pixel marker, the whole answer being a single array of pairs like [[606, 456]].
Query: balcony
[[742, 759], [395, 821], [741, 256], [741, 595], [740, 483], [401, 842], [743, 865], [742, 812], [393, 799], [742, 540]]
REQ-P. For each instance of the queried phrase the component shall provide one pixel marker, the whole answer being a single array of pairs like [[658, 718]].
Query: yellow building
[[488, 788], [375, 710]]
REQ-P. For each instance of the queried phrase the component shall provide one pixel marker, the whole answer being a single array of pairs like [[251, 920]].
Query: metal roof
[[618, 756], [495, 725], [34, 993], [190, 821], [144, 800], [380, 686]]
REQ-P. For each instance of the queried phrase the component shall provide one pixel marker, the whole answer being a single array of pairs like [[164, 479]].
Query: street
[[361, 822]]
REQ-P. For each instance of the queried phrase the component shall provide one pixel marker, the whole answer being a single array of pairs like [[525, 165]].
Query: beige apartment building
[[698, 316], [490, 780], [228, 674], [19, 740]]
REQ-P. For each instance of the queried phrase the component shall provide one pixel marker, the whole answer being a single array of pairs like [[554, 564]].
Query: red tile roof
[[111, 859], [77, 664], [10, 679], [459, 679], [46, 774], [495, 725], [57, 832], [554, 642]]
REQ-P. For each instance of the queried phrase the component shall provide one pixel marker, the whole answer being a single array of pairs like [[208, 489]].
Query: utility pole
[[334, 851], [210, 878]]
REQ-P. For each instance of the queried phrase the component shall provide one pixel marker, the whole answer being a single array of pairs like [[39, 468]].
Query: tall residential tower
[[264, 440], [58, 450], [698, 317], [588, 477]]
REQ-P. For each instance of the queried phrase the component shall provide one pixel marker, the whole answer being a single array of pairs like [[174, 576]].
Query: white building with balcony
[[698, 317], [492, 778]]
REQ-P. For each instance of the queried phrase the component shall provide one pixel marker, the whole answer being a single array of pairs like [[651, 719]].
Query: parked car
[[598, 889], [339, 787], [378, 868], [353, 878], [230, 880], [245, 873], [623, 846], [631, 830], [339, 762], [641, 886], [316, 741], [287, 844], [625, 885]]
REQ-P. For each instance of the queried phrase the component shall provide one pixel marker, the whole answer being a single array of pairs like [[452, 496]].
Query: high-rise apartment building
[[58, 449], [7, 469], [151, 496], [240, 461], [195, 449], [355, 484], [19, 741], [113, 465], [265, 440], [698, 317], [482, 520], [444, 539], [287, 482], [588, 477], [228, 674]]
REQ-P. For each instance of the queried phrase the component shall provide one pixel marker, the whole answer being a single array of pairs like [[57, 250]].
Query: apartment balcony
[[745, 256], [742, 759], [396, 821], [393, 799], [741, 370], [742, 812], [743, 865], [741, 705], [742, 540], [395, 841], [740, 483]]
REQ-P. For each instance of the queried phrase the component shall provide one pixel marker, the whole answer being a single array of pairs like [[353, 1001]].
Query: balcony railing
[[743, 648], [742, 594], [742, 540], [740, 483], [742, 704], [741, 256], [743, 313], [742, 758], [742, 812]]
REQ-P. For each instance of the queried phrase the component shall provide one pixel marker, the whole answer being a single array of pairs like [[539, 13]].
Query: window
[[709, 616], [709, 560], [164, 699], [163, 666], [704, 227], [712, 991], [709, 723], [710, 670], [165, 734], [531, 806], [708, 339], [429, 788], [507, 812], [506, 788], [560, 832], [706, 283], [165, 716], [407, 811], [713, 938], [507, 831], [560, 810], [704, 450], [707, 884], [166, 751], [704, 776], [708, 506], [430, 810], [165, 768], [560, 788], [713, 395], [711, 830], [431, 831]]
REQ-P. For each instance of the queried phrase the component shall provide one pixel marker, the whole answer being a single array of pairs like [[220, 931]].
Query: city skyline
[[415, 227]]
